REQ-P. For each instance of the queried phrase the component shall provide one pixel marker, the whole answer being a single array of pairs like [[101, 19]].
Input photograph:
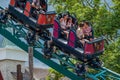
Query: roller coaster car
[[44, 21], [90, 50]]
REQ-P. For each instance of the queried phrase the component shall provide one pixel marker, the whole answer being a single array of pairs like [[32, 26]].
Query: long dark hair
[[81, 24], [43, 4], [69, 18]]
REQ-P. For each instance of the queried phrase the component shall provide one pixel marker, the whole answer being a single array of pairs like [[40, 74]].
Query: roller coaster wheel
[[45, 34], [47, 51], [31, 38], [3, 16], [96, 63], [80, 69]]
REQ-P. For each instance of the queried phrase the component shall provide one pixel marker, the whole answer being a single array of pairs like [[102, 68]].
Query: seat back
[[41, 19], [56, 29], [46, 19], [50, 18], [12, 2], [94, 47], [27, 9], [72, 39]]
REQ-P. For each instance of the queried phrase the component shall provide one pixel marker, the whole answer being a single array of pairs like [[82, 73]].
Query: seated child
[[80, 34]]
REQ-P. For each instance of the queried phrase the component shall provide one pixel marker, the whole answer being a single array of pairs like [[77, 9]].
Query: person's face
[[70, 20], [66, 17], [85, 25]]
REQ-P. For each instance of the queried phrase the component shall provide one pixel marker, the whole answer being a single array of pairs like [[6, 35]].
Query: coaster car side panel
[[94, 48], [91, 50], [66, 46]]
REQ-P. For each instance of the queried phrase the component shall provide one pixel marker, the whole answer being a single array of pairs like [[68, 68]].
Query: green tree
[[54, 75], [111, 57]]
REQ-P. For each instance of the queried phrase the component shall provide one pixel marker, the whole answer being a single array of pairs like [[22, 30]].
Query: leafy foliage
[[53, 75], [111, 56]]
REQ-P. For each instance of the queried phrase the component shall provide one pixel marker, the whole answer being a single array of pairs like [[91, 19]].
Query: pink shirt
[[63, 24], [69, 24]]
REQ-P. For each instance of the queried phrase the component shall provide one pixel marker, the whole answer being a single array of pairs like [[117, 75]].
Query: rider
[[81, 35], [87, 30], [63, 24], [69, 23], [36, 4], [21, 3], [36, 8]]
